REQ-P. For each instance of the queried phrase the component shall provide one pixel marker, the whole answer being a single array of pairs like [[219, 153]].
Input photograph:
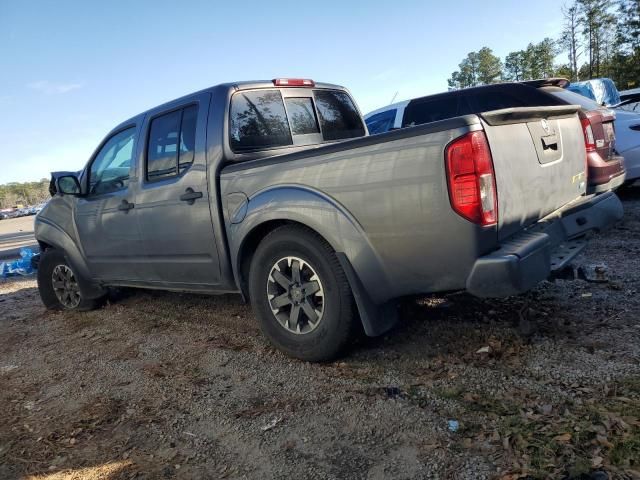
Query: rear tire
[[301, 295], [59, 285]]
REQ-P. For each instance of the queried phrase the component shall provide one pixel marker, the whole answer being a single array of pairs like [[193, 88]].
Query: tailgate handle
[[550, 142]]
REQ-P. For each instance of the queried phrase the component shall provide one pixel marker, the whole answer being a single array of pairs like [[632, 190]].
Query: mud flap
[[376, 319]]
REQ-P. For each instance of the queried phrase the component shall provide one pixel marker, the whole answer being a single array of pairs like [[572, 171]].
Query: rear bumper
[[529, 257], [604, 176]]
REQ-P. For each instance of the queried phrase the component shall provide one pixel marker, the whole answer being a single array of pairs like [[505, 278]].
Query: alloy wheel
[[65, 286], [296, 295]]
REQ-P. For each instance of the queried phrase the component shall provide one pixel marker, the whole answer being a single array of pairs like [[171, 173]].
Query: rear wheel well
[[250, 244]]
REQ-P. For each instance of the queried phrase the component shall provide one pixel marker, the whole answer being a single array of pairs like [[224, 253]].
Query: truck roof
[[237, 86]]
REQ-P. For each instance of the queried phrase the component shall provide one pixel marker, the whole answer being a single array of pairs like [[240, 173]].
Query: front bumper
[[529, 257]]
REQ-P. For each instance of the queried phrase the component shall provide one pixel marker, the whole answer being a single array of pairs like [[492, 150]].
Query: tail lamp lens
[[589, 139], [471, 179]]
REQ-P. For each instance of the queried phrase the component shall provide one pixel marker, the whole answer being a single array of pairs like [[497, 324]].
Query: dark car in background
[[605, 167]]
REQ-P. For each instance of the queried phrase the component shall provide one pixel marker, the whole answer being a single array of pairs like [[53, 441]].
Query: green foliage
[[601, 39], [28, 193], [489, 66], [626, 57], [477, 68], [514, 66]]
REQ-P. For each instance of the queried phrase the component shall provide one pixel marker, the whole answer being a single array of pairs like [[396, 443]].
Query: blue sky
[[71, 70]]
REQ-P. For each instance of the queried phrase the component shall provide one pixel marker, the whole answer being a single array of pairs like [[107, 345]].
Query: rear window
[[259, 120], [573, 98], [262, 119], [508, 96], [302, 116], [339, 117], [487, 101]]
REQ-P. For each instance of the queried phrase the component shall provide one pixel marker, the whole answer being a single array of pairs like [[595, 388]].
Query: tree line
[[27, 193], [601, 38]]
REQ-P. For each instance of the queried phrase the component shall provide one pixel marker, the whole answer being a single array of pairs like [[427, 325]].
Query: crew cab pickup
[[273, 189]]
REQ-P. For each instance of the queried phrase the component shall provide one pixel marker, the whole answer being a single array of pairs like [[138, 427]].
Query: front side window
[[259, 120], [110, 168], [171, 146], [339, 117], [381, 122]]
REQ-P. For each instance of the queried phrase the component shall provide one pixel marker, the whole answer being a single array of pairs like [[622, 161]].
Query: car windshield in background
[[573, 98], [381, 122], [339, 117]]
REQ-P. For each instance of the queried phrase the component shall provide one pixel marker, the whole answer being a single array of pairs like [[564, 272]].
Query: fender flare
[[328, 218], [51, 234]]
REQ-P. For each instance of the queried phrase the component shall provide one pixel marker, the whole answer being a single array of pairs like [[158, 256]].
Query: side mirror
[[68, 185]]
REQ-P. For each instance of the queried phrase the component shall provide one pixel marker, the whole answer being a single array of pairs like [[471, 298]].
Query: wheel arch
[[295, 205], [49, 235]]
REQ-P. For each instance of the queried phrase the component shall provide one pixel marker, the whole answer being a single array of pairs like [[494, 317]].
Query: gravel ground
[[163, 385]]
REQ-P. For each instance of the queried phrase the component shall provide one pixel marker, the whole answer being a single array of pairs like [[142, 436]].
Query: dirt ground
[[162, 385]]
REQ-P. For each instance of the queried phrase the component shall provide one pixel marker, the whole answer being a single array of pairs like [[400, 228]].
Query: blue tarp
[[602, 90], [22, 266], [583, 89]]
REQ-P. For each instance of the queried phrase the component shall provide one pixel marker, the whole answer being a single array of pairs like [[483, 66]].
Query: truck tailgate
[[539, 159]]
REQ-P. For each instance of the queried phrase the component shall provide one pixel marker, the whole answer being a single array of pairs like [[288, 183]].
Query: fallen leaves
[[564, 438]]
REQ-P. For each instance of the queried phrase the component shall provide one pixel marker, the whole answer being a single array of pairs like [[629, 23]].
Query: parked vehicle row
[[21, 212], [275, 190]]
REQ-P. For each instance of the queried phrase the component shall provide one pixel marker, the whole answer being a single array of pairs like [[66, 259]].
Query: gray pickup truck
[[273, 189]]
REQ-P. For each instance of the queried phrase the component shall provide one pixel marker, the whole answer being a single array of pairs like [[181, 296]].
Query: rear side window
[[171, 146], [431, 110], [259, 120], [381, 122], [339, 117]]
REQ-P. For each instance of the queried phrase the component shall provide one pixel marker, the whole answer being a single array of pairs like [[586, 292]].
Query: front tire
[[59, 285], [301, 295]]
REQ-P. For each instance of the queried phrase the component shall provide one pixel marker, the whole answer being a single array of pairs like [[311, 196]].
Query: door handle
[[190, 196], [125, 206]]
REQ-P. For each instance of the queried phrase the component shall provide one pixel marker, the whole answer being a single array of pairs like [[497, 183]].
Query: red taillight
[[589, 139], [589, 143], [293, 82], [472, 183]]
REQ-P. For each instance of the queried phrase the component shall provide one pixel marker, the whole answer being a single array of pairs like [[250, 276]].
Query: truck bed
[[393, 189]]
